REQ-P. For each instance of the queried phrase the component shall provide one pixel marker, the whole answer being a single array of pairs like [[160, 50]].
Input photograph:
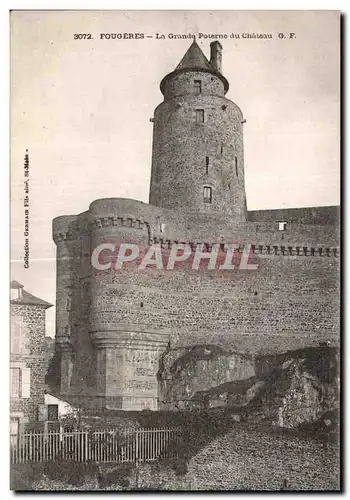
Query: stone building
[[29, 355], [113, 325]]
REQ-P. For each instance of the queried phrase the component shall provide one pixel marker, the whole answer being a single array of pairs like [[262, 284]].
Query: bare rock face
[[185, 373], [289, 390], [302, 389]]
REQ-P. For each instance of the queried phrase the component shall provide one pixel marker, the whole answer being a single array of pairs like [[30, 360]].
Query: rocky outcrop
[[296, 395], [290, 390], [187, 372]]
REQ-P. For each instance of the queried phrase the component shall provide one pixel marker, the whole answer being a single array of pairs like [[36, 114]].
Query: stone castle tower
[[197, 161], [112, 326]]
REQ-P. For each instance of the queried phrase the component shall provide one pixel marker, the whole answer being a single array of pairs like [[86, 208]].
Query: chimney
[[216, 55]]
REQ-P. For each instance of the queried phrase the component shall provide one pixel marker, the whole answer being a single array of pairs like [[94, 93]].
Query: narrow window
[[236, 165], [282, 226], [197, 87], [15, 382], [15, 337], [222, 148], [199, 116], [207, 194], [207, 165], [14, 425], [52, 413]]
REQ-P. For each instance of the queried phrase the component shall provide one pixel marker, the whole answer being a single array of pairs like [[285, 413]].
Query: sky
[[82, 108]]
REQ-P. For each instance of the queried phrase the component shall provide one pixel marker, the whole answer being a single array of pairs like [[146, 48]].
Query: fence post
[[86, 447], [137, 446], [31, 447]]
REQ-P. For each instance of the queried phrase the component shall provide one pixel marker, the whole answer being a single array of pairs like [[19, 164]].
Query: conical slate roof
[[194, 58]]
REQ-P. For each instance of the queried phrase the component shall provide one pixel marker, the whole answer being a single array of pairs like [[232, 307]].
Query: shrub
[[71, 472]]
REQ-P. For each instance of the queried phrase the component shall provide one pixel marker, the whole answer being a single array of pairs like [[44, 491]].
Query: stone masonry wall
[[182, 83], [32, 356], [289, 302], [247, 460], [304, 215], [292, 300]]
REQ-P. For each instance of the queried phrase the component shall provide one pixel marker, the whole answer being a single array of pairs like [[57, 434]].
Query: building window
[[14, 426], [52, 413], [15, 382], [282, 226], [236, 165], [199, 116], [221, 148], [207, 165], [16, 337], [16, 293], [207, 194], [197, 87]]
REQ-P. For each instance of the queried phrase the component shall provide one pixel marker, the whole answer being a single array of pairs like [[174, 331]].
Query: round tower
[[197, 157]]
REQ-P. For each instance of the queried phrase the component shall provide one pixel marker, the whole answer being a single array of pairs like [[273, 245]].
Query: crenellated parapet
[[119, 221], [65, 228], [299, 251], [122, 220], [64, 236], [284, 250]]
